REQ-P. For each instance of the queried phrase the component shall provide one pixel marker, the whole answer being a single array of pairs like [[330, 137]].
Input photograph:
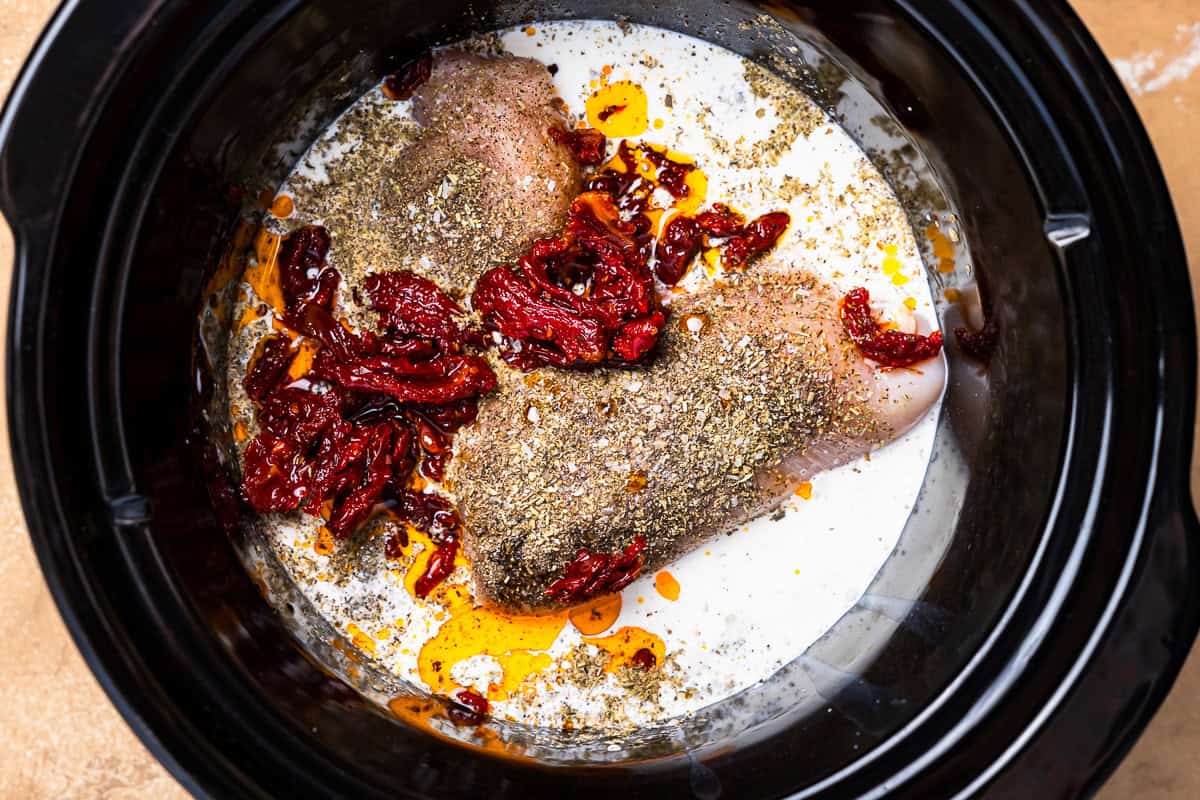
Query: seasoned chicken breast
[[485, 178], [755, 388]]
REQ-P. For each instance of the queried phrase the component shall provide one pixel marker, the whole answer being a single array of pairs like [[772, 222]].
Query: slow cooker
[[1042, 596]]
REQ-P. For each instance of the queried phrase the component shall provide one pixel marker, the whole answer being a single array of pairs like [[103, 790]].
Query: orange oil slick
[[943, 248], [597, 616], [263, 276], [233, 261], [324, 543], [421, 712], [421, 561], [622, 645], [252, 314], [302, 361], [666, 585], [360, 639], [282, 207], [513, 640], [618, 110]]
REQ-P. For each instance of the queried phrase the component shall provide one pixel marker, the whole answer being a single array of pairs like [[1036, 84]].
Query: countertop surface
[[61, 738]]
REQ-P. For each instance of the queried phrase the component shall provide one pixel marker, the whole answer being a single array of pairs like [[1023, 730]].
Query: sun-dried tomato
[[720, 220], [891, 348], [586, 144], [427, 512], [468, 708], [449, 417], [410, 305], [302, 271], [644, 659], [583, 299], [672, 175], [402, 85], [271, 362], [438, 568], [444, 379], [754, 238], [434, 467], [377, 402], [393, 547], [591, 574], [979, 345], [678, 245]]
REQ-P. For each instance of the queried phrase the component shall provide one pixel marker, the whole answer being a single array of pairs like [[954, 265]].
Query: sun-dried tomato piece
[[410, 305], [591, 574], [449, 417], [720, 220], [755, 238], [979, 345], [301, 264], [403, 84], [377, 401], [637, 338], [275, 475], [678, 245], [427, 512], [445, 379], [672, 174], [438, 568], [434, 467], [393, 546], [352, 509], [469, 708], [271, 362], [586, 144], [568, 300], [316, 322], [890, 348], [644, 659]]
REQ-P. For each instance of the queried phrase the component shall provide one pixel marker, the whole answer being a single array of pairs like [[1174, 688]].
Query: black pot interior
[[221, 86]]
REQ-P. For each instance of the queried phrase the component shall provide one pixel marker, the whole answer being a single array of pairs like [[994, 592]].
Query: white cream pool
[[757, 598]]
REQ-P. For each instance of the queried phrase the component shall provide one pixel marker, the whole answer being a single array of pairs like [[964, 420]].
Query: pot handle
[[47, 118]]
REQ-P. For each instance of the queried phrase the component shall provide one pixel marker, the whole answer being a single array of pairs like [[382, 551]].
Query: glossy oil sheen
[[1025, 658]]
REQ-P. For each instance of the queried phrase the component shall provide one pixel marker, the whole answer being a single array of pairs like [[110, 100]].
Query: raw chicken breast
[[484, 179], [754, 389]]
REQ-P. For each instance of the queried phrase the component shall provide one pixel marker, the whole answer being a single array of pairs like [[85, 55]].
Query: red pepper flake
[[469, 708], [586, 144], [608, 111], [403, 84], [591, 574], [644, 659], [890, 348]]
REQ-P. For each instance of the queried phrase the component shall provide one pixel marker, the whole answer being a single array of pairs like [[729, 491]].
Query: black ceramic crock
[[1052, 618]]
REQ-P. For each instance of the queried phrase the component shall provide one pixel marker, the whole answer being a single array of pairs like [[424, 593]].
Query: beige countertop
[[60, 737]]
